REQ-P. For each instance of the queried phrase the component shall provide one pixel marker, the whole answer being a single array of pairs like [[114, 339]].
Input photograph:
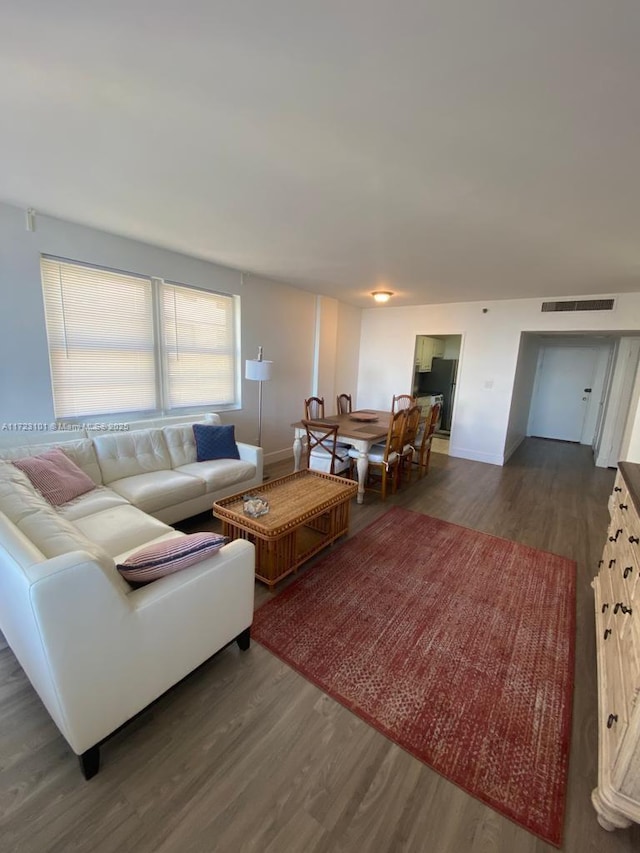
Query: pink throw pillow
[[55, 476]]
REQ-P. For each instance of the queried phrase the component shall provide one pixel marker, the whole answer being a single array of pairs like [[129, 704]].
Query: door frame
[[624, 370]]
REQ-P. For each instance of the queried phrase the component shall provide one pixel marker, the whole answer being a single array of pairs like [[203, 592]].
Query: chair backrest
[[314, 408], [413, 422], [430, 425], [343, 402], [395, 434], [435, 414], [402, 401], [323, 436]]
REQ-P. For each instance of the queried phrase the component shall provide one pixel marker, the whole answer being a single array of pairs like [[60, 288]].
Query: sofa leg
[[244, 639], [90, 762]]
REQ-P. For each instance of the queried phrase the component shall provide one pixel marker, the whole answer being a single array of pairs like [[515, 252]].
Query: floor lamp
[[258, 370]]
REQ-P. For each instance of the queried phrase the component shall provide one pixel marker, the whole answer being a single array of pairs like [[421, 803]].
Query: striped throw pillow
[[169, 556], [55, 476]]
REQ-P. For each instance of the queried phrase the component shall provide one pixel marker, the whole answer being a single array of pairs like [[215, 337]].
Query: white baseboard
[[514, 445], [475, 456], [279, 456]]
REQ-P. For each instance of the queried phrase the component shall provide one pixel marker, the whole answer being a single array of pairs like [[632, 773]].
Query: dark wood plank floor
[[245, 755]]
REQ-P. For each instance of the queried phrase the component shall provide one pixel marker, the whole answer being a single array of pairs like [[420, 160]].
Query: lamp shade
[[259, 371]]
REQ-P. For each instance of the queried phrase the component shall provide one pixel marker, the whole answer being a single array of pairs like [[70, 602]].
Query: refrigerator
[[441, 379]]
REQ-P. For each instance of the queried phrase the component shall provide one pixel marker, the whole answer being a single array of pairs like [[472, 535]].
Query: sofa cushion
[[18, 498], [121, 528], [54, 535], [102, 497], [55, 476], [125, 454], [164, 558], [215, 442], [49, 531], [19, 548], [220, 473], [80, 451], [158, 489], [181, 444]]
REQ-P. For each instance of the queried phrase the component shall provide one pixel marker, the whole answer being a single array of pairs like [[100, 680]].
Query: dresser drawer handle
[[613, 718], [605, 607], [617, 489], [627, 572], [635, 539], [607, 633], [612, 563], [624, 506]]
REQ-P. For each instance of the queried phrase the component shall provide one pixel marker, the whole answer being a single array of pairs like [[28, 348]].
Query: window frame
[[160, 348]]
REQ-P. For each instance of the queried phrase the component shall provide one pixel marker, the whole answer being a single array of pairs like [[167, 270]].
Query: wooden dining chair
[[409, 447], [384, 459], [323, 452], [402, 401], [343, 402], [314, 408], [424, 441]]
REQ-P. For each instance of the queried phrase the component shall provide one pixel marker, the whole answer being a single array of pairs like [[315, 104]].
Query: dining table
[[361, 429]]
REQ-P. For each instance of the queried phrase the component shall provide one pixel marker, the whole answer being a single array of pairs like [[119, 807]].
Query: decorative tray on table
[[255, 505], [364, 416]]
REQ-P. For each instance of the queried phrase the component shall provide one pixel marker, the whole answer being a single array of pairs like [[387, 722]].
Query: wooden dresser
[[617, 605]]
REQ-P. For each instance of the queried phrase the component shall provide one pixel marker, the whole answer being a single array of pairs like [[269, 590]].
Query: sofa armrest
[[110, 654], [233, 566], [252, 453]]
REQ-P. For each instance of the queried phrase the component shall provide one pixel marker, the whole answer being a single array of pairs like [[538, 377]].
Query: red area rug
[[457, 645]]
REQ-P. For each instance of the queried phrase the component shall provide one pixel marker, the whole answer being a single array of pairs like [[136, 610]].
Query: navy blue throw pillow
[[215, 442]]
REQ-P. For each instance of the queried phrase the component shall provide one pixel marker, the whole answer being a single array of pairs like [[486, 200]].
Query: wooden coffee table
[[308, 510]]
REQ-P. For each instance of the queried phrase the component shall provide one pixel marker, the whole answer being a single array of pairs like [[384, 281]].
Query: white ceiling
[[448, 150]]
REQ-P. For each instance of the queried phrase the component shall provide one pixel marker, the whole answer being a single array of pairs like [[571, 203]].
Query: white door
[[563, 392]]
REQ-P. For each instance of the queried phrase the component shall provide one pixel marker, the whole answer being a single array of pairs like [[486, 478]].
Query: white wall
[[631, 439], [380, 341], [488, 358], [522, 391], [348, 351], [596, 413], [280, 318], [614, 440], [451, 347], [327, 344]]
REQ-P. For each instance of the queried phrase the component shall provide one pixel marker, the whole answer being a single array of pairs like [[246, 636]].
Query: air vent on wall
[[580, 305]]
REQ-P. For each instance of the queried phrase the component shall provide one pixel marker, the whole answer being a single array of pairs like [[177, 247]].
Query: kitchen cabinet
[[617, 611], [426, 350]]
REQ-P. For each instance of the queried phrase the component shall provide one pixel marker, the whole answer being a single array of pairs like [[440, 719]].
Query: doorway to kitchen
[[435, 380]]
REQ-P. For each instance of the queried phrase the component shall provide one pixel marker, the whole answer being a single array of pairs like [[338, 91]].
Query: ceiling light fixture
[[382, 295]]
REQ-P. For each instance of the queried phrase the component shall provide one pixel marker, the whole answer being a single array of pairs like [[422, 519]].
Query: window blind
[[120, 342], [199, 346], [101, 340]]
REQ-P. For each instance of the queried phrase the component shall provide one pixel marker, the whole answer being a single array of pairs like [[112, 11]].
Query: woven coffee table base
[[308, 511]]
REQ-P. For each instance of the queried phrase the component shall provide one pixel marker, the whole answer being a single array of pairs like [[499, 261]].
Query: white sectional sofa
[[97, 650]]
